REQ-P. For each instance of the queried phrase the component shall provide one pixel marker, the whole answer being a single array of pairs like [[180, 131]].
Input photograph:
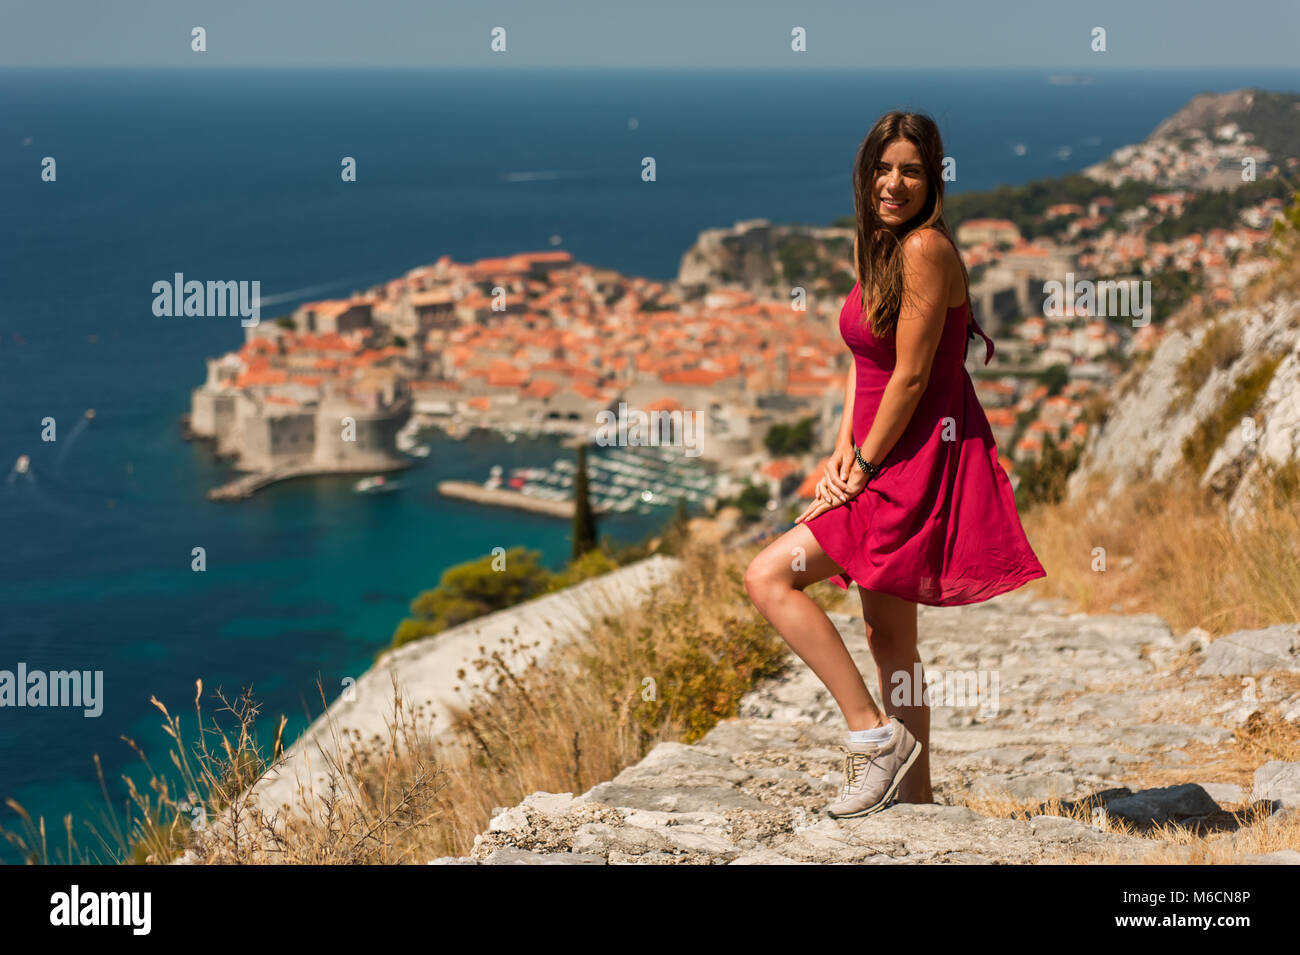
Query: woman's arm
[[839, 466], [851, 387], [926, 271], [846, 420]]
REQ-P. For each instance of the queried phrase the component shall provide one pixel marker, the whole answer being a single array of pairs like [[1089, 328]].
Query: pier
[[468, 491], [247, 484]]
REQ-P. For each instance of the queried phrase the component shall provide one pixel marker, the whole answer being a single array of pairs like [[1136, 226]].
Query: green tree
[[584, 520], [1055, 378], [752, 501], [1043, 481], [676, 533], [472, 589], [783, 439]]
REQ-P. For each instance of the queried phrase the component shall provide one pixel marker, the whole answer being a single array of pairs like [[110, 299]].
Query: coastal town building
[[536, 341]]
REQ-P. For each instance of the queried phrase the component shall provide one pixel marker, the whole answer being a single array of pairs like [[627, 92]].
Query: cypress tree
[[584, 520]]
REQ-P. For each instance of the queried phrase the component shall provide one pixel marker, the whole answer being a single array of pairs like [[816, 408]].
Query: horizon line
[[1057, 69]]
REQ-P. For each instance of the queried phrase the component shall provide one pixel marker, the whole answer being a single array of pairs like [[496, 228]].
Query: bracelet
[[870, 470]]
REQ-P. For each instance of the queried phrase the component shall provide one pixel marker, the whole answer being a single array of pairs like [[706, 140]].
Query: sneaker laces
[[855, 766]]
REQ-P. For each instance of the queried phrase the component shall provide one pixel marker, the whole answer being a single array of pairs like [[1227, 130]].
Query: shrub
[[1219, 347], [472, 589], [1201, 444]]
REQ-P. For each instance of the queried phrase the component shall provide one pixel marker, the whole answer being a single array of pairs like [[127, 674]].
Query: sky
[[666, 34]]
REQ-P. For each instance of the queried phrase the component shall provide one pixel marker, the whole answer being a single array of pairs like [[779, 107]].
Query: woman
[[920, 511]]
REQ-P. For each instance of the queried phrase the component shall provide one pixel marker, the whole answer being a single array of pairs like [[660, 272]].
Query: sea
[[235, 175]]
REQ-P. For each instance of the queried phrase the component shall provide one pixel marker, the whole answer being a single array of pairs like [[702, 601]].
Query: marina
[[619, 480]]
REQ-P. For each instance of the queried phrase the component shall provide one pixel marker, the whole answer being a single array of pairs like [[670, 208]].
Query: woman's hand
[[841, 482], [840, 465]]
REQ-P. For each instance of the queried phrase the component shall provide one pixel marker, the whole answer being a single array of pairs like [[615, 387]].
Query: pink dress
[[938, 525]]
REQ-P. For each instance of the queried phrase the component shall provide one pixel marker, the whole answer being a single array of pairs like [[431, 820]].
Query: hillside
[[437, 675], [1219, 396], [1098, 730], [763, 257], [1273, 119], [759, 257]]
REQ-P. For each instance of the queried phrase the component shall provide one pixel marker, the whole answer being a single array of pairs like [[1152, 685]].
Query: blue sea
[[235, 175]]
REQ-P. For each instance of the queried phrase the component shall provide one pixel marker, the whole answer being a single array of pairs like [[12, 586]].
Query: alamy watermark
[[653, 429], [83, 688], [1119, 299], [974, 689], [129, 909], [211, 299]]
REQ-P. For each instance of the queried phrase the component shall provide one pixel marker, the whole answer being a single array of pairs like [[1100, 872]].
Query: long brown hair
[[879, 259]]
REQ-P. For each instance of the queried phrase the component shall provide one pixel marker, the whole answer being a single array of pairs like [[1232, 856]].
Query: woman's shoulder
[[930, 243], [932, 251]]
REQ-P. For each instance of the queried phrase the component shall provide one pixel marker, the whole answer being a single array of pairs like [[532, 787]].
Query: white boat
[[421, 452], [376, 484]]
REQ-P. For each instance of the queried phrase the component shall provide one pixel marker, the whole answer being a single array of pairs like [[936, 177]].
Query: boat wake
[[310, 290]]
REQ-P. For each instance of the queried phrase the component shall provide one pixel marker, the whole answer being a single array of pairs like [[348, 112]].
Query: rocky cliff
[[1204, 112], [429, 672], [765, 259], [1243, 364], [1271, 118]]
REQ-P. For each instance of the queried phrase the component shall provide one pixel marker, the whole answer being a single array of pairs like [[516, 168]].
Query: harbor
[[619, 480]]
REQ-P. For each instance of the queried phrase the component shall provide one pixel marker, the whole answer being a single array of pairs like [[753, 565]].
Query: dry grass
[[1220, 346], [1282, 281], [1244, 829], [1219, 839], [669, 669], [1170, 549]]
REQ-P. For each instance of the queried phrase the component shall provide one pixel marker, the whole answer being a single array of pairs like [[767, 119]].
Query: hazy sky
[[652, 33]]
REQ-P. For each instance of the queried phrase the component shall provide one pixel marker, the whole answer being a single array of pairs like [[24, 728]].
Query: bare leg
[[891, 635], [776, 587]]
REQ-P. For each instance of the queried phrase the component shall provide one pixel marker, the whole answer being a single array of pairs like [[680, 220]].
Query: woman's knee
[[761, 576]]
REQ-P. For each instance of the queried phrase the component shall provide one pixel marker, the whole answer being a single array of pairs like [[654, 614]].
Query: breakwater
[[468, 491], [246, 485]]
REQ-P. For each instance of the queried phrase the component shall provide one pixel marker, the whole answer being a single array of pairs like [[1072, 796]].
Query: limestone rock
[[753, 790], [1278, 781], [1254, 651]]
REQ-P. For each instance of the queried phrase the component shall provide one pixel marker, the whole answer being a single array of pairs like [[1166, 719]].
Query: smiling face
[[899, 186]]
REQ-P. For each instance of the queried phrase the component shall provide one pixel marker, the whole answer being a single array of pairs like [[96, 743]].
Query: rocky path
[[1116, 708]]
